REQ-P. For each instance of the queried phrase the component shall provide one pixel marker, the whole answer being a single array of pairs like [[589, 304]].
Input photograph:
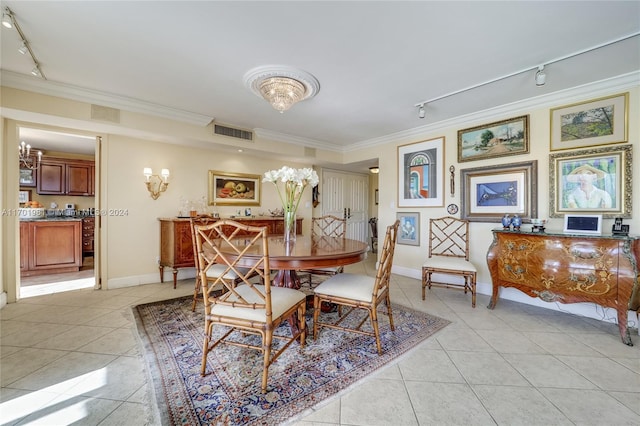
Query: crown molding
[[297, 140], [68, 91], [566, 96]]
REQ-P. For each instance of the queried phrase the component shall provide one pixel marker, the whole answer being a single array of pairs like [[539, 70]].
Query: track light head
[[541, 77], [7, 22], [23, 48], [421, 111], [35, 71]]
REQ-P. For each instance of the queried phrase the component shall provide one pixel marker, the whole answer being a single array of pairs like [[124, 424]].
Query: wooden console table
[[176, 246], [569, 268]]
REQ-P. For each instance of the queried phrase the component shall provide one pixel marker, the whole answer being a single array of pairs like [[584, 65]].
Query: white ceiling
[[374, 60]]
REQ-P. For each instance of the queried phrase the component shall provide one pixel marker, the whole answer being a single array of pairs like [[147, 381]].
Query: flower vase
[[289, 226]]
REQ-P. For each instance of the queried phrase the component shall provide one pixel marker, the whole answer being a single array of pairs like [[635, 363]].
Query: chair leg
[[388, 302], [316, 315], [196, 292], [205, 347], [267, 355], [373, 314], [302, 323], [426, 280], [473, 290]]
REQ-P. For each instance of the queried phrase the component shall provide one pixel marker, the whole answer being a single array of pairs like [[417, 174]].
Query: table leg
[[161, 267]]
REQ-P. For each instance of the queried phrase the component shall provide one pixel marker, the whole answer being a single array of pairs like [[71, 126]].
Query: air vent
[[231, 132], [103, 113]]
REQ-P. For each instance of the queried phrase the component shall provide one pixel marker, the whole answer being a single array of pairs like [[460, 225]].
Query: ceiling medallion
[[281, 86]]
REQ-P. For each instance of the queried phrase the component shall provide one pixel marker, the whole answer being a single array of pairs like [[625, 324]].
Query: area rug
[[171, 336]]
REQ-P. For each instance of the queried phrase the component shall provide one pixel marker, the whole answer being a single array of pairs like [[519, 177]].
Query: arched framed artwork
[[421, 174]]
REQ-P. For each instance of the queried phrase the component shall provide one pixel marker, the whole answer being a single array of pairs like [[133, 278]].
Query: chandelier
[[281, 86], [28, 159]]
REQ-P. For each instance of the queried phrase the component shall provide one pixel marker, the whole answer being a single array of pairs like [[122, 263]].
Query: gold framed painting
[[499, 139], [600, 121], [591, 181], [234, 189]]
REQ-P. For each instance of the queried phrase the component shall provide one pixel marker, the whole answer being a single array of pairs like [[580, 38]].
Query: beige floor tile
[[74, 338], [328, 413], [547, 371], [429, 366], [116, 342], [114, 319], [447, 404], [127, 414], [17, 404], [26, 361], [462, 339], [591, 407], [118, 380], [561, 344], [510, 342], [629, 399], [66, 410], [605, 373], [515, 406], [364, 405], [482, 368], [610, 344]]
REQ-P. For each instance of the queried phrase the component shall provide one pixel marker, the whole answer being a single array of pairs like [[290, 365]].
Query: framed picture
[[24, 196], [499, 139], [591, 181], [234, 189], [598, 122], [27, 177], [409, 230], [490, 192], [421, 174]]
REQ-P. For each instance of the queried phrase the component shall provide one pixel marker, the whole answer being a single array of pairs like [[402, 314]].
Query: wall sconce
[[156, 184]]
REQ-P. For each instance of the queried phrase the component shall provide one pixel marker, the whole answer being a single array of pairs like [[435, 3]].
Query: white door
[[346, 195]]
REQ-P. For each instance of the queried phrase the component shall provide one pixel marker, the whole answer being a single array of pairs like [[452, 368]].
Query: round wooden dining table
[[306, 252]]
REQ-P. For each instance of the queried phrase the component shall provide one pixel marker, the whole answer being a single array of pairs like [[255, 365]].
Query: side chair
[[326, 226], [246, 308], [359, 291], [214, 271], [449, 256]]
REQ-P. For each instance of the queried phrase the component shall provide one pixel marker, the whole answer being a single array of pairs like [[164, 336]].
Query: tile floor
[[72, 358]]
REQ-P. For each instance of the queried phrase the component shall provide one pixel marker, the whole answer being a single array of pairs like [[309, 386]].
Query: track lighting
[[35, 71], [541, 77], [7, 22], [23, 48], [421, 112]]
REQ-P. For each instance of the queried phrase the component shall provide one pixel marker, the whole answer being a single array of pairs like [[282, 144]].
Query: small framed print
[[24, 196], [409, 230], [27, 177]]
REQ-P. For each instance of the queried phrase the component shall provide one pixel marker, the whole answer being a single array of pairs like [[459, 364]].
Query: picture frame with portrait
[[591, 181], [409, 229]]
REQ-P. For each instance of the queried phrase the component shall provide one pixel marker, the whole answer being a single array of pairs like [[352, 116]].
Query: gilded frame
[[498, 139], [601, 121], [609, 170], [409, 229], [487, 193], [421, 174], [221, 194]]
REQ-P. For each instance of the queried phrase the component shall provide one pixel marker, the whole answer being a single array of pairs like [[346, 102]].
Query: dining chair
[[449, 256], [246, 308], [214, 271], [326, 226], [359, 292], [373, 223]]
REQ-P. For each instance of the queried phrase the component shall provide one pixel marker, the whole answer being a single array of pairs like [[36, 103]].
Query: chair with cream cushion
[[246, 307], [449, 256], [321, 227], [359, 291], [215, 270]]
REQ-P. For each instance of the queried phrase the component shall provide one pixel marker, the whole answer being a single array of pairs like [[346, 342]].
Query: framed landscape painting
[[598, 122], [499, 139], [592, 181], [421, 174], [490, 192], [234, 189]]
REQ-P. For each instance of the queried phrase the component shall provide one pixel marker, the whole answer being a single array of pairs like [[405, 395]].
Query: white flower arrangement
[[295, 181]]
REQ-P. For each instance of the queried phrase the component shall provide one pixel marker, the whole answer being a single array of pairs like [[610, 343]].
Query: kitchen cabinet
[[88, 230], [62, 176], [569, 268], [176, 245], [50, 246]]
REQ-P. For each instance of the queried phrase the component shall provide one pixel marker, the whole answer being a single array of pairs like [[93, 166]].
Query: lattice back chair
[[326, 226], [246, 308], [373, 223], [215, 270], [449, 256], [359, 291]]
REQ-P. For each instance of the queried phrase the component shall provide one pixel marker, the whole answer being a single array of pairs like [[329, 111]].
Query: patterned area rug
[[230, 394]]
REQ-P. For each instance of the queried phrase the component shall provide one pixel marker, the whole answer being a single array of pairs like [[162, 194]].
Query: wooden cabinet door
[[51, 177], [54, 244], [78, 178]]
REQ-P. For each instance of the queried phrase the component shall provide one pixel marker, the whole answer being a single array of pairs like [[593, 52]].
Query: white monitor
[[583, 223]]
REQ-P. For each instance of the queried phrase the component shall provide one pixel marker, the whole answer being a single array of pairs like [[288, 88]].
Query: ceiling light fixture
[[421, 112], [281, 86], [375, 170], [541, 76], [7, 18], [528, 69], [9, 21]]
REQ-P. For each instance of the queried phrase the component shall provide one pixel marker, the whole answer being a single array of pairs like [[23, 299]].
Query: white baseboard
[[183, 274]]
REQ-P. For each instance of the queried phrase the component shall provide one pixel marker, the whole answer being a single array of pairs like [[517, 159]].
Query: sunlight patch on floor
[[42, 289]]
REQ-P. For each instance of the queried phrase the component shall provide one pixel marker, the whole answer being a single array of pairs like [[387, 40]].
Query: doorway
[[62, 189]]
